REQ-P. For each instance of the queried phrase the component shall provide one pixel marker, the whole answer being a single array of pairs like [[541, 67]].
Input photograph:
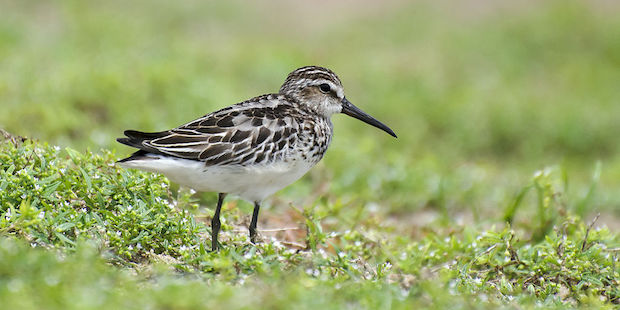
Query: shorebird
[[250, 149]]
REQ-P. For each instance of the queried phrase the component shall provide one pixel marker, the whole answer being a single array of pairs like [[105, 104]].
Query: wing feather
[[247, 133]]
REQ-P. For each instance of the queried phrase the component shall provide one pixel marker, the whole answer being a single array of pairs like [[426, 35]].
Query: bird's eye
[[325, 87]]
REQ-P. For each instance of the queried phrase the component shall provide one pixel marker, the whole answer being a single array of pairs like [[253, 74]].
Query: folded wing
[[245, 134]]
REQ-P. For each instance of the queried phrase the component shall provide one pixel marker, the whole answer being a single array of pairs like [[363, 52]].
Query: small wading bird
[[251, 149]]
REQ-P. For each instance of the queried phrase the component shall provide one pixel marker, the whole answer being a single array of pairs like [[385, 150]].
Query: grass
[[57, 227], [507, 151]]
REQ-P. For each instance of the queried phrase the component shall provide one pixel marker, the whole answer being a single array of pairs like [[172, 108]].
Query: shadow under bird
[[251, 149]]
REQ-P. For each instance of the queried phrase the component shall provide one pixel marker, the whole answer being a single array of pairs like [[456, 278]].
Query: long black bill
[[349, 109]]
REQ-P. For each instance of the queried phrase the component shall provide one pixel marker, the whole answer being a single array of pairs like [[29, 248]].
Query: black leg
[[253, 222], [215, 221]]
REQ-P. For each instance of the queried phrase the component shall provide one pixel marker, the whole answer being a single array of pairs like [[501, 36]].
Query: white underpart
[[251, 183]]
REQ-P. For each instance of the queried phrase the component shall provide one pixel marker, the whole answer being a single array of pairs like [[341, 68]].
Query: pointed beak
[[349, 109]]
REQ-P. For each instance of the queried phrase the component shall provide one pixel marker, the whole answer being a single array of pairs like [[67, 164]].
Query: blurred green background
[[481, 93]]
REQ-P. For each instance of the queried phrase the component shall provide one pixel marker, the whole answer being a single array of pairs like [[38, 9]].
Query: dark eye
[[324, 88]]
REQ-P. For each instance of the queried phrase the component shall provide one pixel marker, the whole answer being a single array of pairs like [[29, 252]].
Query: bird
[[253, 148]]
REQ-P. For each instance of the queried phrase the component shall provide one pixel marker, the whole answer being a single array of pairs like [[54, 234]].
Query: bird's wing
[[260, 129]]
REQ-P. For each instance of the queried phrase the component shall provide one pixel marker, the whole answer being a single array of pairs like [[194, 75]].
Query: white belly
[[252, 183]]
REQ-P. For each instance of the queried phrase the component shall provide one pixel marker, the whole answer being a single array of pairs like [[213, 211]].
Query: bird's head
[[321, 90]]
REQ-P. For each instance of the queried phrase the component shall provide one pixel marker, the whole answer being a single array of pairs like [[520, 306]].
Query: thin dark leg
[[215, 221], [253, 222]]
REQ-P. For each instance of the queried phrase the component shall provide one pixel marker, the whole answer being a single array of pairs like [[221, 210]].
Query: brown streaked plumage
[[253, 148]]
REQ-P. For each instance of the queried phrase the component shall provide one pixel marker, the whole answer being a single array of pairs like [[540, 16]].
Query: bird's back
[[260, 146]]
